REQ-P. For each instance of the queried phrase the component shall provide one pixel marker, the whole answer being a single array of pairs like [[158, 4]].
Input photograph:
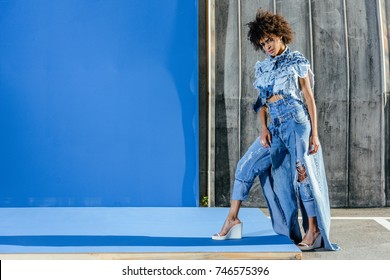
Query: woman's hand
[[265, 139], [314, 144]]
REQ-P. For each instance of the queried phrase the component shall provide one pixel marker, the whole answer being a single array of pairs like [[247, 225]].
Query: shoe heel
[[317, 242], [235, 232]]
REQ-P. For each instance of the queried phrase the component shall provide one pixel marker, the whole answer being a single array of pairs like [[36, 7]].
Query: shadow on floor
[[94, 240]]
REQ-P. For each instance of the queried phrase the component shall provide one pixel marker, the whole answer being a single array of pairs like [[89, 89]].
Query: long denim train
[[279, 189], [290, 129]]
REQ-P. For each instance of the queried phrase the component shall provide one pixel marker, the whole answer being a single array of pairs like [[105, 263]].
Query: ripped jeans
[[257, 163], [290, 129]]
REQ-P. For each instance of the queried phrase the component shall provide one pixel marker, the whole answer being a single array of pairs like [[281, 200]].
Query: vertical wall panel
[[98, 103], [226, 98], [365, 187], [297, 14], [203, 99], [331, 94], [385, 9]]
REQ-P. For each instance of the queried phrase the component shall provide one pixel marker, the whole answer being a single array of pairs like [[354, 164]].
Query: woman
[[285, 81]]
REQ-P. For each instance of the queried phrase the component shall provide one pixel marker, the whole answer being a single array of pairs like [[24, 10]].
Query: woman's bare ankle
[[229, 223], [234, 220]]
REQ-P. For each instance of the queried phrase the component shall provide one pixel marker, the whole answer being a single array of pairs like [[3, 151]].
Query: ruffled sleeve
[[302, 67], [258, 104], [258, 70]]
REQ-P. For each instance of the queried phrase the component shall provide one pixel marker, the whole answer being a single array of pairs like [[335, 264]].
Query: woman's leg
[[255, 161], [308, 203], [232, 218], [312, 233], [299, 146]]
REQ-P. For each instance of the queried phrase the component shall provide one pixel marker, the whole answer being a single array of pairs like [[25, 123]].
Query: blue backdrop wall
[[98, 103]]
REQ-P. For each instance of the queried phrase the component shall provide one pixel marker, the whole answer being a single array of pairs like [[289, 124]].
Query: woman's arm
[[311, 106], [265, 138]]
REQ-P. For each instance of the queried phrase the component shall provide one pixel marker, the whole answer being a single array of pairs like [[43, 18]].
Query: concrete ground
[[362, 234]]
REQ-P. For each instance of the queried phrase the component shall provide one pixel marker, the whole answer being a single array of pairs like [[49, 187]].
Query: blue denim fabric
[[307, 199], [293, 139], [279, 75], [290, 128], [257, 163]]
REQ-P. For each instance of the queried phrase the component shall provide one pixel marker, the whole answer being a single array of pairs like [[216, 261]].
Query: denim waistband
[[276, 120], [284, 109]]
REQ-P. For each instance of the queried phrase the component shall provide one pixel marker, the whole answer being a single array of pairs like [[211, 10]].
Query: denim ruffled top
[[279, 75]]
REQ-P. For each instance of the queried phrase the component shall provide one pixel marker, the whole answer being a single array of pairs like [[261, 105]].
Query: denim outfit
[[290, 128], [257, 163]]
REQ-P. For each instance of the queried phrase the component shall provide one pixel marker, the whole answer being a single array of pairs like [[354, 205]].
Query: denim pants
[[291, 128], [257, 163]]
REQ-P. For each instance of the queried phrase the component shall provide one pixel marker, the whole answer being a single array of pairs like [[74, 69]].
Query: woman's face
[[272, 44]]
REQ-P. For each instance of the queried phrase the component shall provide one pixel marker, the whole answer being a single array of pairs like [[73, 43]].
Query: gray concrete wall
[[365, 188], [385, 6], [226, 97], [203, 100], [332, 93], [347, 44]]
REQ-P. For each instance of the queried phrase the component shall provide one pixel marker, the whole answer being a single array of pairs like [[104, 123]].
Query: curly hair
[[266, 24]]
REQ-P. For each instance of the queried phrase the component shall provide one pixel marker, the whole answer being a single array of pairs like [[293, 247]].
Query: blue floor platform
[[136, 233]]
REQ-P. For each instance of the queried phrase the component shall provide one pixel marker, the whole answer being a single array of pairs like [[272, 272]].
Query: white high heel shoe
[[235, 232], [316, 244]]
